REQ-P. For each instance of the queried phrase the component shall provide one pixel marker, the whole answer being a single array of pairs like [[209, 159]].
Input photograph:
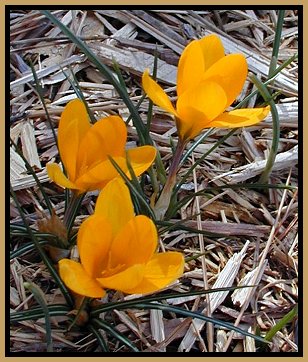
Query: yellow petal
[[75, 278], [97, 177], [197, 107], [193, 123], [212, 49], [128, 278], [230, 72], [240, 117], [56, 175], [106, 137], [197, 57], [156, 93], [135, 243], [208, 97], [94, 241], [73, 125], [190, 68], [115, 205], [160, 271], [141, 158]]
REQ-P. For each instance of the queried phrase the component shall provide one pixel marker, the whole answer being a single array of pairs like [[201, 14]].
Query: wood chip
[[225, 279]]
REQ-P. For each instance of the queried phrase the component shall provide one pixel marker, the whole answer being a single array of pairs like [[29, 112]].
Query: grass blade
[[112, 331], [40, 298], [36, 313], [187, 313], [30, 169], [276, 44], [42, 253], [106, 72], [276, 129], [143, 204], [157, 297], [281, 324], [99, 337]]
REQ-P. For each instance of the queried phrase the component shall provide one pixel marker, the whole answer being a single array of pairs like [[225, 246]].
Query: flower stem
[[163, 201]]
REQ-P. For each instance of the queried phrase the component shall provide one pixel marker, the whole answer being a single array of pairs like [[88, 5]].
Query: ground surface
[[258, 227]]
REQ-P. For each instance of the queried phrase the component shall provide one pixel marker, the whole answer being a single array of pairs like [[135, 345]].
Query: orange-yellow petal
[[115, 205], [188, 129], [208, 97], [94, 241], [106, 137], [135, 243], [212, 49], [127, 278], [98, 176], [160, 271], [75, 278], [197, 107], [197, 57], [230, 72], [56, 175], [240, 117], [141, 158], [156, 93], [73, 125]]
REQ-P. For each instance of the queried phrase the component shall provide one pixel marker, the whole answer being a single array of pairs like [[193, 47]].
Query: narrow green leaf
[[75, 85], [106, 72], [281, 324], [26, 248], [187, 313], [37, 312], [180, 225], [150, 108], [276, 44], [42, 99], [30, 169], [158, 297], [112, 331], [42, 253], [134, 191], [98, 336], [71, 211], [40, 298], [208, 190], [195, 144], [82, 307], [276, 129]]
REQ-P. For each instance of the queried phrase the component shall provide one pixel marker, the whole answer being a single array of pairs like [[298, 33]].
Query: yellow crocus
[[84, 150], [208, 82], [118, 250]]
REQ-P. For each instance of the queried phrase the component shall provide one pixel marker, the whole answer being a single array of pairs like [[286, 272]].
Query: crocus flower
[[84, 150], [118, 250], [208, 82]]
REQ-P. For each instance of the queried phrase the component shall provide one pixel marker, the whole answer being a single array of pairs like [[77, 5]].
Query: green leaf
[[40, 298], [157, 297], [112, 331], [187, 313], [75, 85], [281, 324], [30, 169], [143, 204], [95, 331], [141, 129], [276, 129], [276, 43], [42, 253], [37, 312]]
